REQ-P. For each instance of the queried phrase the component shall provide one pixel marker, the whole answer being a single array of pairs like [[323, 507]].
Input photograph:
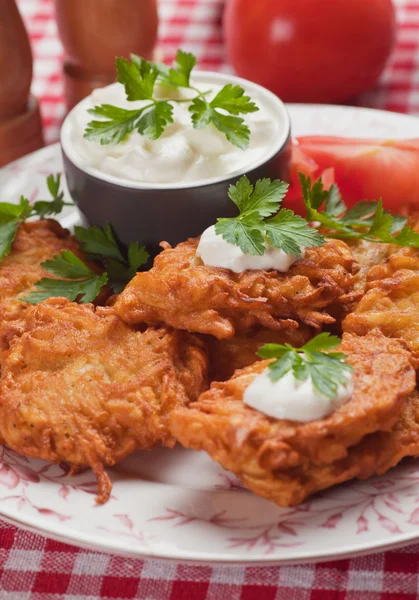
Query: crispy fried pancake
[[374, 455], [226, 356], [391, 303], [253, 445], [79, 385], [182, 292]]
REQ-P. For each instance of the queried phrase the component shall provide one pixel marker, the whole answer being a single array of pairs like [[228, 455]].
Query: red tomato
[[363, 169], [310, 50]]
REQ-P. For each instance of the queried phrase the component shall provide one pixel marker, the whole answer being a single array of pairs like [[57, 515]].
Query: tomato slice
[[364, 169]]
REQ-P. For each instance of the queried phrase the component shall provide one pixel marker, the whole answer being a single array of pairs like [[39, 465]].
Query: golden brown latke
[[79, 385], [225, 356], [35, 242], [391, 303], [182, 292], [255, 447]]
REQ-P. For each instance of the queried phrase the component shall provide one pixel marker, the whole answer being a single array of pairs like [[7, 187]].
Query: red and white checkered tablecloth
[[33, 567]]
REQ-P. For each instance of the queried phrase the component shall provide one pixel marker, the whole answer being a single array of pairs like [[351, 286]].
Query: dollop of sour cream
[[215, 251], [294, 400], [182, 153]]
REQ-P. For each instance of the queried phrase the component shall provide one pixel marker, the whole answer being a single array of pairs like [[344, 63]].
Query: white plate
[[178, 504]]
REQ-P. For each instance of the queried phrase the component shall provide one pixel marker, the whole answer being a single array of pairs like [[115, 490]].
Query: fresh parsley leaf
[[232, 99], [8, 230], [291, 233], [13, 215], [366, 220], [114, 124], [180, 74], [234, 128], [334, 203], [244, 233], [326, 370], [100, 244], [201, 113], [264, 198], [250, 230], [80, 282], [322, 342], [46, 208], [138, 77], [120, 273], [153, 121]]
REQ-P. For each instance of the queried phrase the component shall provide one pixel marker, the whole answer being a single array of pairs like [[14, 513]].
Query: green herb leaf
[[81, 283], [250, 230], [366, 220], [120, 273], [326, 370], [99, 243], [114, 126], [291, 233], [13, 215], [46, 208], [181, 72], [201, 113], [153, 121], [232, 99], [243, 233], [8, 230], [234, 128], [138, 77]]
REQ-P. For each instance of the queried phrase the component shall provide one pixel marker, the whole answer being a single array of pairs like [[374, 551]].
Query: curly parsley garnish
[[80, 282], [139, 77], [255, 226], [327, 370], [366, 220], [13, 215]]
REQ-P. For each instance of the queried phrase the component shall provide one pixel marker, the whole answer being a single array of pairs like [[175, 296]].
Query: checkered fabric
[[36, 568]]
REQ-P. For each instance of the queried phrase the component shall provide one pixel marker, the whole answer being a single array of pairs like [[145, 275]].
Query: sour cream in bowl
[[173, 187]]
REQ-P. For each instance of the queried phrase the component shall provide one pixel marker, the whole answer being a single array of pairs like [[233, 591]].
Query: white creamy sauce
[[215, 251], [182, 153], [294, 400]]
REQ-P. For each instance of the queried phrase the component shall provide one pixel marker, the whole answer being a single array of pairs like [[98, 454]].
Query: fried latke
[[34, 243], [226, 356], [79, 385], [255, 447], [182, 292], [391, 303]]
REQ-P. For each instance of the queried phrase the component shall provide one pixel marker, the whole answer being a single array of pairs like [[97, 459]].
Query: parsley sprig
[[327, 370], [76, 281], [13, 215], [100, 244], [365, 220], [255, 226], [81, 282], [114, 124]]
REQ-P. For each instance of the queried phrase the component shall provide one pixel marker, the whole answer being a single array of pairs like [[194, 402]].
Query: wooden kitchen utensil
[[20, 119], [94, 32]]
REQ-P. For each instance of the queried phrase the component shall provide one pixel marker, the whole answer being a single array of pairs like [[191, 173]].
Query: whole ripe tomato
[[310, 50]]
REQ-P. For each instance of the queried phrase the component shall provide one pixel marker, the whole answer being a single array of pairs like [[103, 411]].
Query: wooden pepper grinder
[[94, 32], [20, 119]]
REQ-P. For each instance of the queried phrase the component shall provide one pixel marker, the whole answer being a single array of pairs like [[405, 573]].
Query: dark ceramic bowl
[[149, 213]]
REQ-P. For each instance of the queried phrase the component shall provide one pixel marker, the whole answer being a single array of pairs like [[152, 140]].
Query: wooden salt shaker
[[94, 32], [20, 119]]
